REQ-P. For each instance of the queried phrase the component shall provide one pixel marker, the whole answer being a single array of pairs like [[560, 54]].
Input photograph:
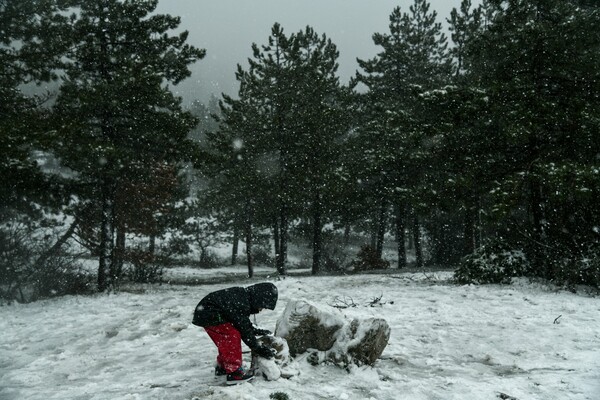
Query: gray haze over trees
[[227, 28]]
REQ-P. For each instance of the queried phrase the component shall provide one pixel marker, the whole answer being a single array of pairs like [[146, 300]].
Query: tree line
[[487, 140]]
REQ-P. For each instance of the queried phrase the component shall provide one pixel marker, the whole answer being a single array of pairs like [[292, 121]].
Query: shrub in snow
[[589, 269], [208, 259], [61, 276], [494, 262], [582, 268], [329, 336], [143, 268], [368, 259], [33, 266], [335, 259], [262, 254]]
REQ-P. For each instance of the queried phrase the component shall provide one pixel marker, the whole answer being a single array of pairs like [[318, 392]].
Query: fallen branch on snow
[[348, 302], [345, 302]]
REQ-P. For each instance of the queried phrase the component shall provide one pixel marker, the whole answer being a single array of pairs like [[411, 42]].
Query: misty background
[[227, 29]]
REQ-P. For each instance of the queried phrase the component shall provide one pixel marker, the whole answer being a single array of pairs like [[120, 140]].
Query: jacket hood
[[262, 295]]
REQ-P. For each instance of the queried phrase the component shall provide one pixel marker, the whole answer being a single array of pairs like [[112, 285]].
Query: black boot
[[220, 371], [239, 376]]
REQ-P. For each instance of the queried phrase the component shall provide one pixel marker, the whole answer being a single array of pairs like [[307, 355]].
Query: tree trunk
[[152, 245], [469, 232], [400, 236], [417, 241], [381, 227], [478, 235], [106, 185], [202, 258], [317, 235], [119, 228], [117, 265], [106, 237], [248, 231], [282, 253], [236, 240], [346, 234], [374, 231], [411, 242], [536, 214], [277, 242]]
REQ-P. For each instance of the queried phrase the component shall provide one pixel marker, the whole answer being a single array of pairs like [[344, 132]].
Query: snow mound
[[279, 366]]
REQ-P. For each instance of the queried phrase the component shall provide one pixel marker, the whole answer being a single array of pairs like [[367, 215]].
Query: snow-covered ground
[[447, 342]]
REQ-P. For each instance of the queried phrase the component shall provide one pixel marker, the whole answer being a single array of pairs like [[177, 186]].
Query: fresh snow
[[447, 342]]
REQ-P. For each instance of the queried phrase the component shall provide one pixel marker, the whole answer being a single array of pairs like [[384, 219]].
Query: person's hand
[[264, 352], [261, 332]]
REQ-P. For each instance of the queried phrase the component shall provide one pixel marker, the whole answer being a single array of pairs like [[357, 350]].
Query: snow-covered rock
[[330, 336], [307, 326], [362, 341]]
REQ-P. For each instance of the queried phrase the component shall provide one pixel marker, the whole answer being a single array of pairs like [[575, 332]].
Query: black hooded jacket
[[235, 305]]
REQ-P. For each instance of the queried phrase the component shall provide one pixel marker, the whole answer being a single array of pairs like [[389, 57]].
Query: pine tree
[[31, 44], [461, 175], [286, 121], [205, 113], [413, 61], [114, 106], [319, 123], [537, 63], [269, 83], [239, 189]]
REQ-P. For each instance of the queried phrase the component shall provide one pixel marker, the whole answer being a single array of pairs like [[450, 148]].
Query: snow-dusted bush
[[262, 253], [495, 262], [143, 268], [208, 259], [368, 259], [335, 258], [589, 269], [32, 265], [61, 276], [581, 268]]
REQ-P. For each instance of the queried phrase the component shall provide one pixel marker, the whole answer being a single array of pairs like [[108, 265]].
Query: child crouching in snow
[[225, 315]]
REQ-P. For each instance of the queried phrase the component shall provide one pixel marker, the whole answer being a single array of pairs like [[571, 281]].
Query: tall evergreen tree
[[270, 82], [114, 104], [319, 122], [239, 178], [286, 121], [413, 61], [32, 41], [537, 62], [458, 118]]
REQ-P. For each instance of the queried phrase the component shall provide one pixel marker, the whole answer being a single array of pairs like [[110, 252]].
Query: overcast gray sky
[[227, 29]]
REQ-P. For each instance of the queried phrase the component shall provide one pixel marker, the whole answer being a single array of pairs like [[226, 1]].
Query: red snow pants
[[229, 345]]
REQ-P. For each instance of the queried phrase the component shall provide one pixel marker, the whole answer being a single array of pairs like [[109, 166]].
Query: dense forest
[[480, 150]]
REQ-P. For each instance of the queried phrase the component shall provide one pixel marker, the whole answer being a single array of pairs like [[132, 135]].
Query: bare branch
[[345, 302]]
